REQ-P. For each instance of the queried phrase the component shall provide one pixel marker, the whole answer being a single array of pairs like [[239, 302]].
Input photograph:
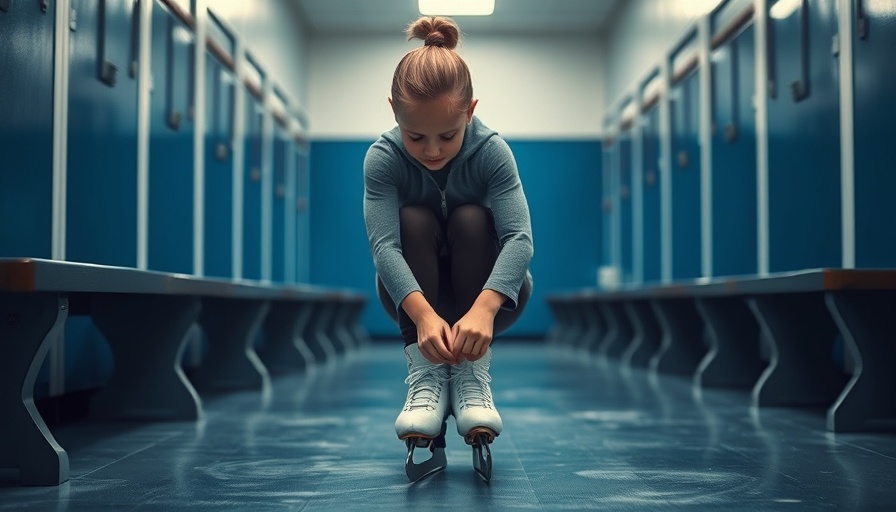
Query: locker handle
[[135, 39], [4, 5], [108, 71], [861, 20], [800, 88]]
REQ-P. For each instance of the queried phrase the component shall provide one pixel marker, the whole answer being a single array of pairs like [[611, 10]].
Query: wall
[[641, 33], [543, 94], [274, 32], [528, 87]]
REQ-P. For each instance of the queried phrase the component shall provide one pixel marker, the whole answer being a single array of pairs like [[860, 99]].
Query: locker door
[[650, 186], [734, 226], [171, 142], [610, 149], [624, 198], [26, 129], [803, 136], [303, 222], [254, 143], [685, 175], [278, 201], [875, 123], [218, 226], [102, 133]]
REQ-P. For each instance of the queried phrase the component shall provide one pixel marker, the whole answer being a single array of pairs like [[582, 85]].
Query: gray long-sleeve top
[[484, 172]]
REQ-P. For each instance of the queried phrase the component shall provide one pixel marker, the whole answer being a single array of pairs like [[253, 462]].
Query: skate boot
[[421, 424], [474, 410]]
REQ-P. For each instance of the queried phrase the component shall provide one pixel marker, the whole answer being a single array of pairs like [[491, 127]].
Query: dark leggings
[[451, 263]]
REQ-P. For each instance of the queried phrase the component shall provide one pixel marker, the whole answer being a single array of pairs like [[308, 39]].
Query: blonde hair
[[434, 69]]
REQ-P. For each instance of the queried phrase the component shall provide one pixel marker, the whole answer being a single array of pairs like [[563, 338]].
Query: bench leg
[[682, 346], [361, 337], [230, 326], [867, 321], [733, 359], [317, 335], [147, 336], [801, 333], [342, 326], [647, 335], [619, 333], [284, 349], [29, 324]]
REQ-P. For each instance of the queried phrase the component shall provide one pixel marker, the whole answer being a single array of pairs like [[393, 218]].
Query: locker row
[[126, 143], [757, 144]]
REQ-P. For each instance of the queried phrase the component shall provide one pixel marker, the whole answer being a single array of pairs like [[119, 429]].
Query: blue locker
[[685, 172], [218, 225], [253, 150], [650, 186], [609, 149], [171, 173], [26, 129], [803, 137], [624, 197], [303, 221], [734, 199], [101, 204], [278, 201], [875, 107]]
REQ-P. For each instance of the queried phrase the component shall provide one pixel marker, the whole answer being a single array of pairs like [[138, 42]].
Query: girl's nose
[[431, 150]]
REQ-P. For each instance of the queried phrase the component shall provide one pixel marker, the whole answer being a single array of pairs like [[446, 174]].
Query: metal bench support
[[867, 320], [147, 336], [29, 325]]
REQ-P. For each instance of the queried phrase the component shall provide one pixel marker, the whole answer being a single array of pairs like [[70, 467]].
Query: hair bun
[[435, 31]]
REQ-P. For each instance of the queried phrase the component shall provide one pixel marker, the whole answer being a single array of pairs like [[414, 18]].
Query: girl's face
[[433, 131]]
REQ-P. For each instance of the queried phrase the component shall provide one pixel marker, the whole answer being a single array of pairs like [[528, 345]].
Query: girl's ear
[[470, 110], [392, 104]]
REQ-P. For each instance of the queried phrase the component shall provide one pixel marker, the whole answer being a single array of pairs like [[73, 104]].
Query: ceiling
[[511, 16]]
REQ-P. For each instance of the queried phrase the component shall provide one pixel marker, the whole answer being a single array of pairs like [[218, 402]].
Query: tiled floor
[[578, 435]]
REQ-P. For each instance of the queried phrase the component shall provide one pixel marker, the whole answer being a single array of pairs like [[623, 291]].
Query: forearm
[[490, 301], [417, 307]]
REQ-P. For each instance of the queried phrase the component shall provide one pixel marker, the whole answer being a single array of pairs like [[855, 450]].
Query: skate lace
[[424, 390], [472, 386]]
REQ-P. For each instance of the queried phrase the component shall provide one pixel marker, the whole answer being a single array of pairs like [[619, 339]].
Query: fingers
[[436, 351], [468, 345]]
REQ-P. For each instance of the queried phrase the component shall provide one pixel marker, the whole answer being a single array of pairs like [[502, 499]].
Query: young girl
[[449, 231]]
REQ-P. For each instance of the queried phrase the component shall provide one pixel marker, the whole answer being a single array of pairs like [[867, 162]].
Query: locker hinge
[[44, 6]]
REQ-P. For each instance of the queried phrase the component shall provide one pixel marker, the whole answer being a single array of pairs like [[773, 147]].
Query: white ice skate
[[474, 410], [422, 421]]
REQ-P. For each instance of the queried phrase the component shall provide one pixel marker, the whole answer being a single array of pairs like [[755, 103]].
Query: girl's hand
[[472, 334], [434, 338]]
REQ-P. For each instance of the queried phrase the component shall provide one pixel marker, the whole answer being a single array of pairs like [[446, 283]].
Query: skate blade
[[482, 463], [417, 470]]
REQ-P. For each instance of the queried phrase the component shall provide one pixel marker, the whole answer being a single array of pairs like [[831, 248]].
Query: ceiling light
[[456, 7], [783, 9]]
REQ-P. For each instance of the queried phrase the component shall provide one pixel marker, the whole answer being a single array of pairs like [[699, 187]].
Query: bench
[[776, 335], [145, 317]]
